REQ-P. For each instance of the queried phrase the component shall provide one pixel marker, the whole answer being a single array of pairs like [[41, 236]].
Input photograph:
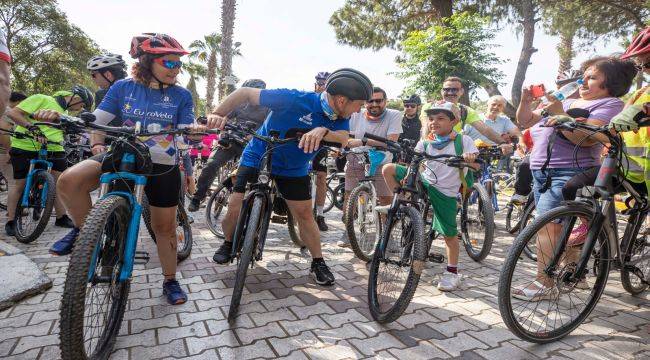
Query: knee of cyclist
[[388, 170], [451, 240], [67, 183], [165, 229]]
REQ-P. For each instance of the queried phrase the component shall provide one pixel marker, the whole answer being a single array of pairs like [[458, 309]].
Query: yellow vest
[[637, 146]]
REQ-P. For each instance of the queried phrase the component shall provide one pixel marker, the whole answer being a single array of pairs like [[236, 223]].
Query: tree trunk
[[565, 50], [444, 7], [191, 86], [227, 27], [528, 22], [211, 81]]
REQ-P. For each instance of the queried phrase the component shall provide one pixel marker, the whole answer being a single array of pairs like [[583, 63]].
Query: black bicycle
[[569, 278]]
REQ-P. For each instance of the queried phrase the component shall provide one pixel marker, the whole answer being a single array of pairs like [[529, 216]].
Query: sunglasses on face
[[451, 90], [410, 106], [375, 101], [168, 64]]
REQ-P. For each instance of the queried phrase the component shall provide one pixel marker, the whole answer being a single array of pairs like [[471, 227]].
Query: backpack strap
[[458, 147]]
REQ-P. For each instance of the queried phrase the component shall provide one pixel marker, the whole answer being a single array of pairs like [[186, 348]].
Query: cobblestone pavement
[[285, 314]]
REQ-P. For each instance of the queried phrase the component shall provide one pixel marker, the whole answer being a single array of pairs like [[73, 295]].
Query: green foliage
[[395, 104], [459, 47], [48, 53]]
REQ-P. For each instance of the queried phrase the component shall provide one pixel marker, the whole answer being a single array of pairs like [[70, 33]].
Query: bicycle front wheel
[[477, 223], [246, 255], [4, 191], [94, 300], [32, 219], [540, 301], [396, 266], [216, 208], [636, 268], [363, 225]]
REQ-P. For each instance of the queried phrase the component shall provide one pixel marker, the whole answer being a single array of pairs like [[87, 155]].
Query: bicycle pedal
[[276, 219], [436, 258], [141, 258]]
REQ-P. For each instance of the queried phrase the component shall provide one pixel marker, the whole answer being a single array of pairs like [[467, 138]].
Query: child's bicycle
[[96, 289]]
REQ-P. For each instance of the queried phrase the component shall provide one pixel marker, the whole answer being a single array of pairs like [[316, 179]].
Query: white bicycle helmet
[[105, 61]]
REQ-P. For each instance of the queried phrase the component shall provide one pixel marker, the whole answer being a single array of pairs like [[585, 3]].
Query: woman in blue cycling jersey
[[153, 99]]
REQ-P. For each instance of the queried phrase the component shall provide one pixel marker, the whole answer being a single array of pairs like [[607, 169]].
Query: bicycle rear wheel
[[363, 225], [246, 255], [477, 223], [4, 191], [396, 266], [32, 220], [216, 208], [547, 315], [329, 200], [339, 194], [634, 273], [93, 302]]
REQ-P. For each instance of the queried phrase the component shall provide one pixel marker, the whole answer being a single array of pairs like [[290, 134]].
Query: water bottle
[[567, 90]]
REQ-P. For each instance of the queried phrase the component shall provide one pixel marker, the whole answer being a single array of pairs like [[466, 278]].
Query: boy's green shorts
[[444, 207]]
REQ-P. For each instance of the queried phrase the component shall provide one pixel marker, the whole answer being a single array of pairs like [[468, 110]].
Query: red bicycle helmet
[[639, 45], [157, 44]]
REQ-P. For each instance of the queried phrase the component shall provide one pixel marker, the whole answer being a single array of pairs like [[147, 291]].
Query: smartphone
[[538, 91]]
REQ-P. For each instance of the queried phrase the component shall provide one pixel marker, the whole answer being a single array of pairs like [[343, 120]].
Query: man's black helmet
[[85, 95], [350, 83], [413, 99], [254, 83]]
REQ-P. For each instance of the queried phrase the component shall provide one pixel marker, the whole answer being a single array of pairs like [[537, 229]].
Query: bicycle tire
[[484, 202], [640, 246], [246, 255], [339, 194], [417, 253], [294, 231], [329, 200], [530, 250], [114, 210], [4, 192], [214, 209], [513, 226], [362, 248], [41, 178], [182, 221], [600, 269]]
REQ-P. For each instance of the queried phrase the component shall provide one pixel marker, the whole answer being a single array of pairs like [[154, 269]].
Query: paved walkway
[[285, 314]]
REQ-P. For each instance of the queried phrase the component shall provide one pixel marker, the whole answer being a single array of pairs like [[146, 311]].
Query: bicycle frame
[[42, 156]]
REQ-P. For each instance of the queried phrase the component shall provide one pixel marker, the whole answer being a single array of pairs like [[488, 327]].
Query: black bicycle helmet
[[254, 83], [322, 75], [350, 83], [413, 99], [85, 95]]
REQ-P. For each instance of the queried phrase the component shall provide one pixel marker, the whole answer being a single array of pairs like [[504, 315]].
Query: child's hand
[[469, 157]]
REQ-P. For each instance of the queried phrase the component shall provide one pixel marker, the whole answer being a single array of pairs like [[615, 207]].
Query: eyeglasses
[[321, 83], [451, 90], [168, 64], [376, 101], [410, 105], [640, 67]]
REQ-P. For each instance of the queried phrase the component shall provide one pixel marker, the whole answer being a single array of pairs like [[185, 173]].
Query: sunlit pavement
[[285, 314]]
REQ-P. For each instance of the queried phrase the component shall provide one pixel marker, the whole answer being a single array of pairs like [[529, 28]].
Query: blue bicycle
[[101, 264]]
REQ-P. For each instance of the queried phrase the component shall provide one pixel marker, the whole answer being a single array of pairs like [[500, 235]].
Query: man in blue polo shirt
[[324, 116]]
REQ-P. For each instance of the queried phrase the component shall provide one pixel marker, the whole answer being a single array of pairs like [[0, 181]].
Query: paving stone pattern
[[285, 314]]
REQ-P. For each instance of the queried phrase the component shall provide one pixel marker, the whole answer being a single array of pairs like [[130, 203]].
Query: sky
[[286, 42]]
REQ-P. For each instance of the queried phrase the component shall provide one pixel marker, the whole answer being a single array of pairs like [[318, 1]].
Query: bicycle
[[34, 208], [4, 191], [578, 272], [403, 248], [97, 284], [258, 204]]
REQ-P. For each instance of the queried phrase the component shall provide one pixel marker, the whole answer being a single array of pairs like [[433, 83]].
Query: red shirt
[[4, 51]]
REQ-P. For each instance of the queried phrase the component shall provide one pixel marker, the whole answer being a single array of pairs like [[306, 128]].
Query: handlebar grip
[[377, 138]]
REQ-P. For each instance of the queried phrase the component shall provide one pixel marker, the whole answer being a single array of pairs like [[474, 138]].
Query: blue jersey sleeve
[[110, 102], [278, 99], [186, 111]]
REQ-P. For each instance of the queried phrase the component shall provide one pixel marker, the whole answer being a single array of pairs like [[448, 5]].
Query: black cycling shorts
[[163, 185], [20, 161], [291, 188], [319, 163]]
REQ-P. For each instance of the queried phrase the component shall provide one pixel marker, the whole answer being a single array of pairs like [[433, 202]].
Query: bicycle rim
[[639, 250], [477, 223], [362, 223], [32, 220], [215, 209], [553, 313]]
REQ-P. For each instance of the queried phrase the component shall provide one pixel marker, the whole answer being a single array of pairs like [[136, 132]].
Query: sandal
[[535, 293]]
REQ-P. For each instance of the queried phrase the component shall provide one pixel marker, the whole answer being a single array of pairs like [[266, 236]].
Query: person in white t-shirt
[[441, 181], [5, 61], [375, 120]]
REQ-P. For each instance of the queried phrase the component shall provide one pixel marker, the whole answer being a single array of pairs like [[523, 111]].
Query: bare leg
[[321, 188], [74, 187], [163, 223], [230, 219], [12, 198], [546, 239], [453, 249], [301, 212], [59, 209]]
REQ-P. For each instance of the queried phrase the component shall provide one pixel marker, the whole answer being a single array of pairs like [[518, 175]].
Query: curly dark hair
[[619, 74], [141, 70]]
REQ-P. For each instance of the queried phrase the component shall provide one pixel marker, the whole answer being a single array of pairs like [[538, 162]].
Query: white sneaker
[[534, 292], [383, 209], [449, 281], [344, 242], [518, 199]]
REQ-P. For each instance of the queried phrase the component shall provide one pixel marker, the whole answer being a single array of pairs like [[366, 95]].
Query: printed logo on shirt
[[127, 108], [306, 119]]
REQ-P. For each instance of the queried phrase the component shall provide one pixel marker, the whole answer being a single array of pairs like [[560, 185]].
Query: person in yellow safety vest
[[637, 140]]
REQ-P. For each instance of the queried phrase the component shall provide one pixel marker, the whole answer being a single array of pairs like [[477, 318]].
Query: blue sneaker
[[175, 295], [64, 246]]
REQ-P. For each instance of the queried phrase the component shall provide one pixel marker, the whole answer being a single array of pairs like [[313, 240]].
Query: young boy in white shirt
[[441, 181]]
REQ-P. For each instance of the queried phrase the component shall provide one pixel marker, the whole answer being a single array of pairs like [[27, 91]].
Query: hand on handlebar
[[470, 157], [216, 121], [98, 149], [506, 149], [46, 115], [310, 141]]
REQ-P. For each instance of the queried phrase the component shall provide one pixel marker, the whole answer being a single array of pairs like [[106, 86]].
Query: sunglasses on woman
[[168, 64]]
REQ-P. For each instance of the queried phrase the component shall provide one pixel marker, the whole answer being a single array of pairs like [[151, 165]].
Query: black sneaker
[[64, 222], [321, 273], [10, 228], [222, 255], [194, 205], [320, 221]]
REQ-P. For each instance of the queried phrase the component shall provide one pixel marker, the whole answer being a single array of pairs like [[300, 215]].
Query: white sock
[[319, 210]]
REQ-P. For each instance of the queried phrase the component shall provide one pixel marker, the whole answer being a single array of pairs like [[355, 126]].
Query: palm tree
[[227, 27], [205, 51], [196, 72]]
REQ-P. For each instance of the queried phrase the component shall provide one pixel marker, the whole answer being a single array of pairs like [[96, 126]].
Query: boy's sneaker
[[172, 290], [321, 273], [320, 221], [64, 222], [194, 205], [64, 246], [449, 281], [10, 228], [222, 255]]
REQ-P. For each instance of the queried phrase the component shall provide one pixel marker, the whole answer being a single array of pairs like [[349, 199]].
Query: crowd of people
[[343, 107]]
